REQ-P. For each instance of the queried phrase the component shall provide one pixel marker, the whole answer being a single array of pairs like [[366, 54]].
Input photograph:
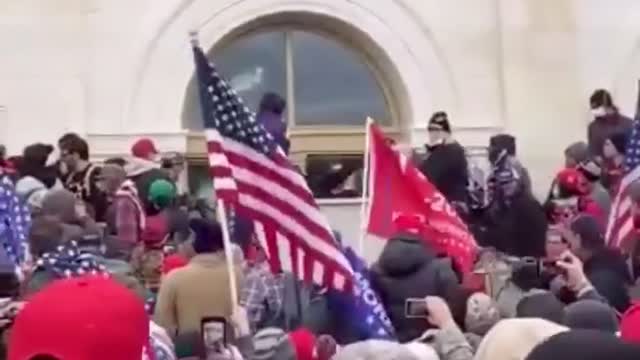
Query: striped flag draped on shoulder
[[620, 229], [252, 174]]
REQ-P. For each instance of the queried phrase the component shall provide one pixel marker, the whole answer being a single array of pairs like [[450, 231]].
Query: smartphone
[[416, 308], [214, 335]]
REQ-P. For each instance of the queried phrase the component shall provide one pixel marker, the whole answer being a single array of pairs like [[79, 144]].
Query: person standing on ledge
[[607, 121], [446, 163]]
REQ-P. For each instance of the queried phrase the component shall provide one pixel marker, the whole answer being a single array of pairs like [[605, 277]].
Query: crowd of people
[[114, 261]]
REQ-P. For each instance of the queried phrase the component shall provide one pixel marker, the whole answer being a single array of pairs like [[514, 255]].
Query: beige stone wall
[[115, 69]]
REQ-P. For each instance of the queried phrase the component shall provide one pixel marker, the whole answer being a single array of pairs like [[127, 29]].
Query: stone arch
[[402, 49]]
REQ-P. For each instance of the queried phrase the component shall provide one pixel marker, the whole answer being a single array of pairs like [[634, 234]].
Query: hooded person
[[591, 314], [446, 163], [271, 116], [126, 218], [36, 178], [185, 295], [409, 268], [510, 200], [607, 120], [76, 224], [513, 339], [505, 145], [584, 345]]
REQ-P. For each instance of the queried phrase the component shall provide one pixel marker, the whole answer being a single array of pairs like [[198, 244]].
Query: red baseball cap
[[412, 223], [84, 318], [143, 148]]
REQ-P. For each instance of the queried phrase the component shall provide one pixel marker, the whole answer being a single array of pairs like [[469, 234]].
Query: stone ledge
[[104, 146]]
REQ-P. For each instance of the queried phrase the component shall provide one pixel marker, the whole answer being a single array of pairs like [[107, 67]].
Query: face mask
[[436, 137], [599, 112]]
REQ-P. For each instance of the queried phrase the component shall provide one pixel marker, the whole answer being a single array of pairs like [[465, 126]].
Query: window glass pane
[[253, 65], [333, 86], [334, 176]]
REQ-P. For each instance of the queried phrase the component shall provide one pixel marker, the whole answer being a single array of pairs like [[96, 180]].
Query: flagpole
[[226, 239], [365, 188]]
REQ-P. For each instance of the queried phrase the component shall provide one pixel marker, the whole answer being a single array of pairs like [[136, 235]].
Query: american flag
[[252, 175], [15, 222], [620, 226]]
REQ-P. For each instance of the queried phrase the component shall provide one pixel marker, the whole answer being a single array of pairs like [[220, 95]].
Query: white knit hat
[[272, 344]]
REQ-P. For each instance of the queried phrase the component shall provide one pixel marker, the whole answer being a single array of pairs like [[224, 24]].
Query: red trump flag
[[398, 188]]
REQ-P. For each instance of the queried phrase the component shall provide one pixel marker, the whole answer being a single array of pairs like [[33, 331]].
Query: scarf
[[128, 190]]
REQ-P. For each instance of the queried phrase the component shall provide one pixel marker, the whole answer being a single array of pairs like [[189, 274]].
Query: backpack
[[86, 181], [82, 189]]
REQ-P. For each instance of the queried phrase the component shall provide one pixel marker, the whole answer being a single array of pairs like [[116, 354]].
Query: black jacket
[[408, 269], [608, 273], [602, 128], [446, 166], [517, 228]]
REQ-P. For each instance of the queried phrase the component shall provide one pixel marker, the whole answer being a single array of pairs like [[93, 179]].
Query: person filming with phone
[[604, 267]]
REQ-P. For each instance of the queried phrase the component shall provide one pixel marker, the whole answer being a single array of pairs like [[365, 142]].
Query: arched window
[[330, 89], [325, 83]]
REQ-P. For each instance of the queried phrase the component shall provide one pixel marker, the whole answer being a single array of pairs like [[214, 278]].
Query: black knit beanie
[[439, 121]]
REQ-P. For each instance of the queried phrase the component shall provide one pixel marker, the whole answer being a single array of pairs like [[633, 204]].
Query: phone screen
[[416, 308], [213, 335]]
